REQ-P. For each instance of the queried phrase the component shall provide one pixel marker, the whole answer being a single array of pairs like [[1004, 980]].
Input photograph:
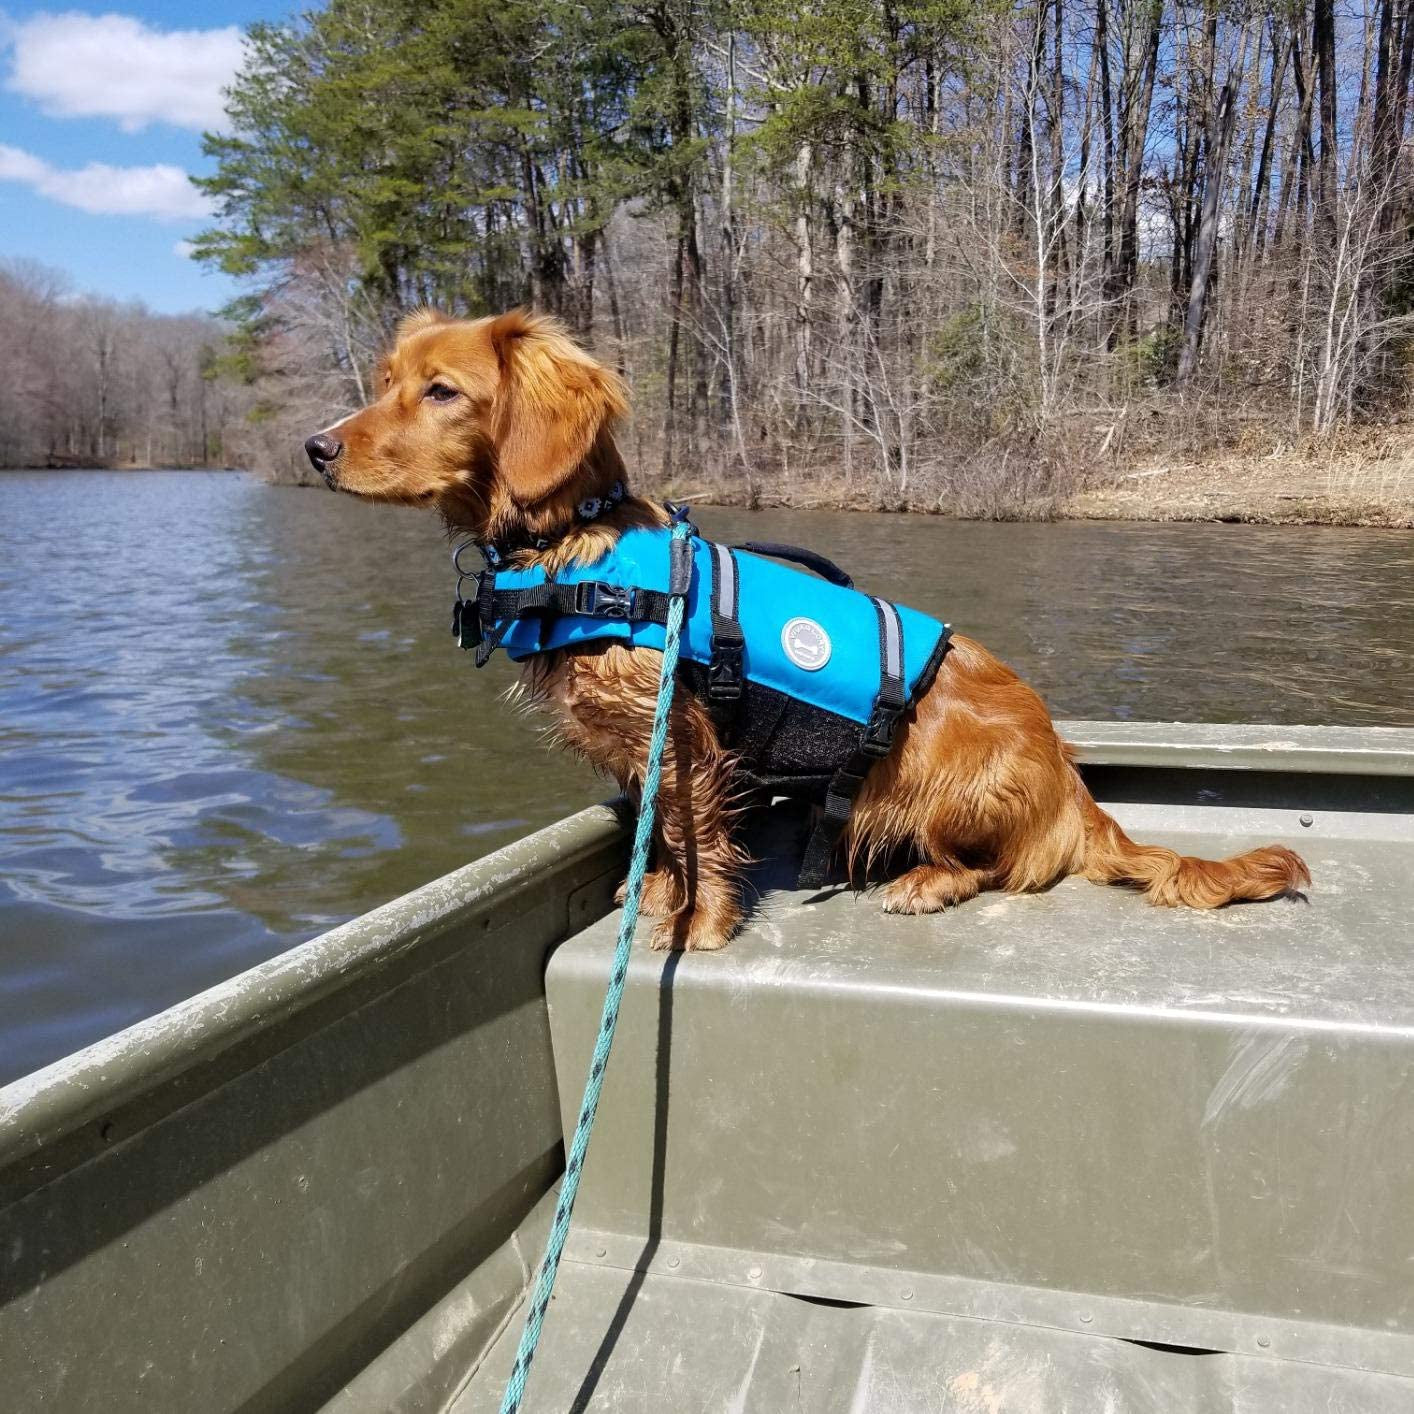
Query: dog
[[505, 426]]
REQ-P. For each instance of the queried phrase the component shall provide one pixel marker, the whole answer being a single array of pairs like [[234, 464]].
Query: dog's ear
[[552, 403], [418, 320]]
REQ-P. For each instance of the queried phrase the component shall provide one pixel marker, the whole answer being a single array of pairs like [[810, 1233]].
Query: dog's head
[[496, 422]]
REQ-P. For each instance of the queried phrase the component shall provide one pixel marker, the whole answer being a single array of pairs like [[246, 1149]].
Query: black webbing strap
[[875, 742], [584, 599], [494, 611], [680, 556], [725, 666]]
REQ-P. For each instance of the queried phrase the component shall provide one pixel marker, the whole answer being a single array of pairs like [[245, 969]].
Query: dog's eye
[[441, 392]]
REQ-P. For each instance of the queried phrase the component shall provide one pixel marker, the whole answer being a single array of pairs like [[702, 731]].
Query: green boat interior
[[1052, 1152]]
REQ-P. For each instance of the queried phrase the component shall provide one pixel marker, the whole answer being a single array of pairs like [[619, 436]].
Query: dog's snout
[[321, 450]]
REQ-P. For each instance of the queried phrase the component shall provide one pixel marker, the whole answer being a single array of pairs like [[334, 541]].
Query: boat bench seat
[[1071, 1116]]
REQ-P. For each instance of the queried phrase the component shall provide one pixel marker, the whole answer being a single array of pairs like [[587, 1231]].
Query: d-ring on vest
[[805, 677]]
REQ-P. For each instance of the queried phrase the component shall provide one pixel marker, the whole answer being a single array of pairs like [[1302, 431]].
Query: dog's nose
[[322, 449]]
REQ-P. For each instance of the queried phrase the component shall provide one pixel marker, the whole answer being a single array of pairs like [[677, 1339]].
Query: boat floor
[[1000, 1159], [617, 1340]]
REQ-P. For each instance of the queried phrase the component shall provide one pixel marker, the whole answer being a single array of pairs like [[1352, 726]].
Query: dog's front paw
[[694, 930], [662, 894]]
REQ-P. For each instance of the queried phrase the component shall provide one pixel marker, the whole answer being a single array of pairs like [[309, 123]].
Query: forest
[[891, 253], [94, 382]]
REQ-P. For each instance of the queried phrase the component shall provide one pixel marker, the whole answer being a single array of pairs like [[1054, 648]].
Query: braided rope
[[579, 1145]]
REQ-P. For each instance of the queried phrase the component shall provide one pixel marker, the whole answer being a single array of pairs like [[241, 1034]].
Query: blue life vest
[[806, 677]]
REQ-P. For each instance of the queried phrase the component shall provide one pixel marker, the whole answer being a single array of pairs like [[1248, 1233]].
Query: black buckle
[[878, 738], [471, 621], [724, 672], [466, 625], [593, 599]]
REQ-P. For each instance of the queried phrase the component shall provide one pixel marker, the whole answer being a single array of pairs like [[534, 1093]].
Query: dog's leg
[[608, 701], [929, 888], [694, 828], [663, 891]]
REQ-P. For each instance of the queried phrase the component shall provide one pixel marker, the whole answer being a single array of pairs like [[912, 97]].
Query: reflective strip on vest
[[726, 569]]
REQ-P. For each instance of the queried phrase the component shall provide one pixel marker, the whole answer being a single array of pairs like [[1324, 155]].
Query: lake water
[[232, 715]]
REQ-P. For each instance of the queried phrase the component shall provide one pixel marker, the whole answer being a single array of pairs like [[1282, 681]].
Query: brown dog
[[504, 425]]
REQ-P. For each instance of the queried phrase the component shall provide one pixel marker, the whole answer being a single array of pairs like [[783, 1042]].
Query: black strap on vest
[[875, 742], [725, 667], [482, 623]]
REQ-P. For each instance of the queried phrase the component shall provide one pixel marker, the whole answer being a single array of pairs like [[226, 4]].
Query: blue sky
[[101, 113]]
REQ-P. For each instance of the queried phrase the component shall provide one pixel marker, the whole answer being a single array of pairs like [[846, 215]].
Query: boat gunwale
[[1243, 746]]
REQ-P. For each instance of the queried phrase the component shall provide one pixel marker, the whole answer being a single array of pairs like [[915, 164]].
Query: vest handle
[[825, 568]]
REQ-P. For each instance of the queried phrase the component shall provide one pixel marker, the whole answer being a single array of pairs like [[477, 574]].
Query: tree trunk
[[1134, 137], [1217, 141], [674, 344], [1257, 210], [1300, 157], [1323, 37], [804, 270]]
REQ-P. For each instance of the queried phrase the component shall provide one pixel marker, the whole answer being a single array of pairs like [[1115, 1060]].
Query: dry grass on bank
[[1148, 464], [1357, 479], [1158, 468]]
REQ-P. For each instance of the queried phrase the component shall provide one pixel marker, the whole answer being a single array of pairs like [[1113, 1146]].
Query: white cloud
[[162, 191], [115, 66], [183, 250]]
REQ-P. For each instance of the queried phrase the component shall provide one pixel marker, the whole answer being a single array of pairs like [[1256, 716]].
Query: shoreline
[[1119, 504], [1356, 492], [1361, 488]]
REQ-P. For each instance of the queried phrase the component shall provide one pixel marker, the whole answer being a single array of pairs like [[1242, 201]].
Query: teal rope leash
[[681, 562]]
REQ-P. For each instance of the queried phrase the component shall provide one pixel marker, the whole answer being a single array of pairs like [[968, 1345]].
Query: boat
[[1053, 1152]]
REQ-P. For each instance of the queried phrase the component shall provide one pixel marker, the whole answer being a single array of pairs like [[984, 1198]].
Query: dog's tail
[[1168, 878]]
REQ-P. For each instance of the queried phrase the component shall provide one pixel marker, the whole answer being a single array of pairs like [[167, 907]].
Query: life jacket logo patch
[[806, 644]]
